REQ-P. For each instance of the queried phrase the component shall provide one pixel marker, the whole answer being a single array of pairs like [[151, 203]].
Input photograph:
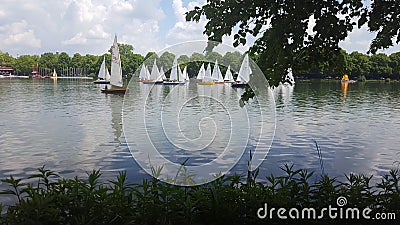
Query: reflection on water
[[72, 128], [357, 135], [345, 87], [202, 126]]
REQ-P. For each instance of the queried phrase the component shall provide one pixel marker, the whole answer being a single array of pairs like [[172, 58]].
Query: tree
[[234, 59], [77, 61], [149, 58], [380, 65], [196, 60], [64, 61], [395, 64], [48, 60], [166, 60], [91, 63], [183, 59], [213, 56], [24, 64], [281, 29], [359, 64], [384, 19], [6, 59]]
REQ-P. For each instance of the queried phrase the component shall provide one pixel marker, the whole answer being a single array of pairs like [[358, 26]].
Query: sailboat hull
[[238, 85], [152, 82], [101, 82], [206, 83], [174, 83], [114, 91]]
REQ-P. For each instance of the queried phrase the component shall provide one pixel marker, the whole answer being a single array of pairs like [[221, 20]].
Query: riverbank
[[46, 198], [338, 81]]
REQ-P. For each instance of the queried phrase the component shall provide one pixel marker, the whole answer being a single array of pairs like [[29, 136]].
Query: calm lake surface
[[72, 128]]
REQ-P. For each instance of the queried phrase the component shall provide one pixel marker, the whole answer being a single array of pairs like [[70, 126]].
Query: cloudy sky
[[88, 26]]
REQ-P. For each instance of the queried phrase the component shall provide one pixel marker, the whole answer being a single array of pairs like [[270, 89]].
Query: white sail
[[185, 74], [207, 77], [174, 70], [228, 75], [220, 77], [245, 71], [147, 77], [214, 74], [143, 73], [155, 74], [54, 73], [116, 70], [162, 75], [181, 77], [102, 70], [202, 73], [108, 76]]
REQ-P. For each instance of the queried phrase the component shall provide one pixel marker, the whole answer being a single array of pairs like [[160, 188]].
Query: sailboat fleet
[[205, 76]]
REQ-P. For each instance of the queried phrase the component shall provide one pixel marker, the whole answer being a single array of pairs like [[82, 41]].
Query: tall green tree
[[91, 63], [6, 59], [166, 60], [64, 61], [395, 64], [48, 60], [77, 61], [213, 56], [149, 59], [196, 60], [359, 64], [380, 65], [24, 64], [234, 59]]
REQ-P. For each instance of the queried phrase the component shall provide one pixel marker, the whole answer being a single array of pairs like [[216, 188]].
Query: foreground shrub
[[45, 198]]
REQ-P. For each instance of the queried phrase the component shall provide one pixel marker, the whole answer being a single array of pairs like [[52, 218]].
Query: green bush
[[45, 198]]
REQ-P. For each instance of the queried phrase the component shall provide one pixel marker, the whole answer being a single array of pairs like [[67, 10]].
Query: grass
[[46, 198]]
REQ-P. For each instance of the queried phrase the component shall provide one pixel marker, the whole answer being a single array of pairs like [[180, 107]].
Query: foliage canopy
[[281, 29]]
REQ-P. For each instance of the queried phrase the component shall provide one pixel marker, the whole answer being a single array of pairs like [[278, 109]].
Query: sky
[[88, 26]]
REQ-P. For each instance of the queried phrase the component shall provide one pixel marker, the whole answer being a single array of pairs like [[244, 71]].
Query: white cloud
[[360, 40], [143, 35], [78, 39], [18, 34], [182, 30]]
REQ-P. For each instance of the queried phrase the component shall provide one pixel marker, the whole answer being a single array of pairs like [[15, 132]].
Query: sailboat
[[103, 75], [228, 76], [201, 74], [162, 74], [144, 74], [216, 74], [176, 76], [54, 76], [155, 77], [207, 79], [185, 74], [116, 71], [244, 73]]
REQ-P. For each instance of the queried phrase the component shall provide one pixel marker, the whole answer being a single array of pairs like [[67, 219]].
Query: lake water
[[72, 128]]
